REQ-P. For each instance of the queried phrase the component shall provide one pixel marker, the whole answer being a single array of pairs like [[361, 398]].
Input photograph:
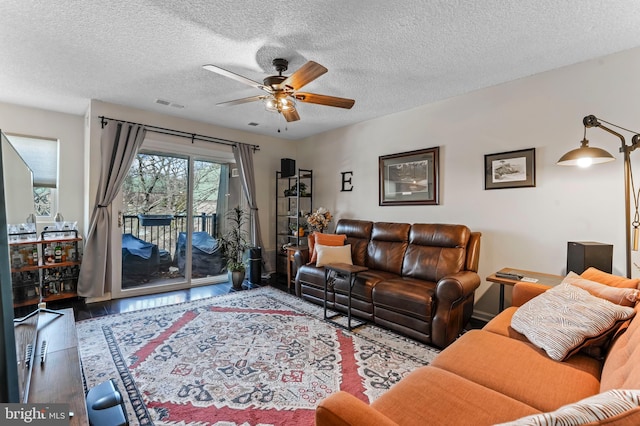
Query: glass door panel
[[209, 204], [154, 216], [171, 212]]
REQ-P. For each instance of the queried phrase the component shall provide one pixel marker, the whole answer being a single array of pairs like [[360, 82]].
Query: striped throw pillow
[[603, 406], [565, 318]]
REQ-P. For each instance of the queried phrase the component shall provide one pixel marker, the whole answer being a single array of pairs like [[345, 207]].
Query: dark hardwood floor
[[92, 310], [84, 310]]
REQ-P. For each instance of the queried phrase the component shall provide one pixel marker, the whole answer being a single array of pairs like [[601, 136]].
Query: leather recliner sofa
[[420, 282]]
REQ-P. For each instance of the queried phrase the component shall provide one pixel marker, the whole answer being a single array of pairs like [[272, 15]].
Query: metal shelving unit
[[294, 200], [45, 269]]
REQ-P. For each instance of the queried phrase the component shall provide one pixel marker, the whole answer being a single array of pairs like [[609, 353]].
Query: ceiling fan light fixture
[[279, 103], [287, 103], [282, 91]]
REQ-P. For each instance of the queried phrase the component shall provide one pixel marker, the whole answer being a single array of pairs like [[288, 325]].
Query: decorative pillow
[[333, 254], [618, 295], [327, 240], [601, 277], [596, 408], [565, 318]]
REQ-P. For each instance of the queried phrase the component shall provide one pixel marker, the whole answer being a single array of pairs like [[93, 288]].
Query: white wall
[[69, 130], [527, 228]]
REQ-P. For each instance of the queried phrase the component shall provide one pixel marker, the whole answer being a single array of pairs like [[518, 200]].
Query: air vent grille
[[169, 103]]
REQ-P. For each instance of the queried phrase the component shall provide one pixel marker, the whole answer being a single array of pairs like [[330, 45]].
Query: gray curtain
[[243, 154], [120, 143]]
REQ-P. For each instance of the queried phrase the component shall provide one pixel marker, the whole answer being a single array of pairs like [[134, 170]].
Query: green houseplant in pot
[[234, 244]]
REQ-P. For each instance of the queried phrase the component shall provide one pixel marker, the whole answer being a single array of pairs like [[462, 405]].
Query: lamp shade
[[585, 156]]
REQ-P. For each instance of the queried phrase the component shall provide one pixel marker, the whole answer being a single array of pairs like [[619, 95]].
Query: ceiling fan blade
[[242, 101], [305, 75], [291, 115], [237, 77], [325, 100]]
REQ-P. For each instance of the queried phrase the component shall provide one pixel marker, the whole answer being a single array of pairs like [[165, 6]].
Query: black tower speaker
[[255, 265], [581, 255], [287, 167]]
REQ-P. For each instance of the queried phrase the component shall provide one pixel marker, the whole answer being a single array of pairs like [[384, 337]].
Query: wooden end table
[[291, 251], [546, 279], [351, 271]]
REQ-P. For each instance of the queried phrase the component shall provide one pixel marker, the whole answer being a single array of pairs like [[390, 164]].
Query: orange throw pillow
[[618, 295], [326, 240], [601, 277]]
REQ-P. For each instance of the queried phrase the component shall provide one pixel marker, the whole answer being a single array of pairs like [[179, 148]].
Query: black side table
[[352, 272]]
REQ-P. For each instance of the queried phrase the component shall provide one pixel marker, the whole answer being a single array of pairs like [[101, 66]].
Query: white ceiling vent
[[169, 103]]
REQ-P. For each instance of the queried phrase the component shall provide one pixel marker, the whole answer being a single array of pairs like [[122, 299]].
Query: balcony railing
[[166, 236]]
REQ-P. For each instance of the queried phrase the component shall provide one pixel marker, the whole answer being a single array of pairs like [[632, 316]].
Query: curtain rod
[[179, 133]]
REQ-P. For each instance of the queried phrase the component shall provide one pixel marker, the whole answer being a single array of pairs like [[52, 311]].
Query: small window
[[41, 155]]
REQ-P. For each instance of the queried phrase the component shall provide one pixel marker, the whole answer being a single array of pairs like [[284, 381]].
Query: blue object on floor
[[140, 261], [207, 254], [136, 246]]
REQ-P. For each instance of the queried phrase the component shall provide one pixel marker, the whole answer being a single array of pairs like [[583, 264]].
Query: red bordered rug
[[259, 357]]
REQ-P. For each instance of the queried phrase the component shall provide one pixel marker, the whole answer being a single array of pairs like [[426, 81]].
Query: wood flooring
[[84, 311]]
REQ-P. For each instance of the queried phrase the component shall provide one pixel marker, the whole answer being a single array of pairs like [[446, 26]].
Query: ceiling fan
[[282, 91]]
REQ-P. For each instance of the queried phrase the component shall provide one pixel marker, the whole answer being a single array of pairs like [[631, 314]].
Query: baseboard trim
[[483, 316]]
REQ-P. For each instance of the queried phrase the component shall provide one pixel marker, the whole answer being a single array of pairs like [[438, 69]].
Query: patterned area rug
[[259, 357]]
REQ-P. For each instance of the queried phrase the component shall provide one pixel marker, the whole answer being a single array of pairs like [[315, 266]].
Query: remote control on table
[[509, 275]]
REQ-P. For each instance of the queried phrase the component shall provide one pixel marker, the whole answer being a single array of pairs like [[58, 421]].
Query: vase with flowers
[[319, 219]]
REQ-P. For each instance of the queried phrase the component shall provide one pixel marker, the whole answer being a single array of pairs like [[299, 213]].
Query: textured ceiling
[[388, 56]]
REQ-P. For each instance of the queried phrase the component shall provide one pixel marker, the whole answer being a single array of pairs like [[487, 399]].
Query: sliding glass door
[[169, 219]]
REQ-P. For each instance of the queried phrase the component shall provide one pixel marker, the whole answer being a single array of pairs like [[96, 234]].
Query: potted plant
[[234, 244]]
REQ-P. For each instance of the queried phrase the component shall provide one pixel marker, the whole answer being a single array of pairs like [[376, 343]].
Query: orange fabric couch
[[496, 375]]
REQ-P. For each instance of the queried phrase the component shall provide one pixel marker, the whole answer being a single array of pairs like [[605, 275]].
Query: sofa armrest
[[300, 258], [523, 292], [451, 291], [344, 409]]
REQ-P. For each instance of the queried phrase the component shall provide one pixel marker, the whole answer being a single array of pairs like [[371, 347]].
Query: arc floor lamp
[[586, 155]]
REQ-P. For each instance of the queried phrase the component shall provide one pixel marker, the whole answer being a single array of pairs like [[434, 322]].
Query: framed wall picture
[[409, 178], [513, 169]]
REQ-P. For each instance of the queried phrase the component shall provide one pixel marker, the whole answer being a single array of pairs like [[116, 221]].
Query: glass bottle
[[16, 258], [57, 252], [48, 255]]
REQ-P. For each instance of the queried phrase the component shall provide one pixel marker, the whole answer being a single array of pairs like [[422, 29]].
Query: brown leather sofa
[[496, 375], [420, 282]]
